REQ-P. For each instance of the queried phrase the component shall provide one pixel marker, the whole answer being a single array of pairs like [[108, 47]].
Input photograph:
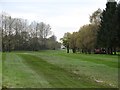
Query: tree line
[[19, 34], [103, 32]]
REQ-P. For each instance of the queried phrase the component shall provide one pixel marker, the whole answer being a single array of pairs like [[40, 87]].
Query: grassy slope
[[58, 69]]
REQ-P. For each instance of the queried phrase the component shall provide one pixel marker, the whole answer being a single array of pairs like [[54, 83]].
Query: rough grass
[[57, 69]]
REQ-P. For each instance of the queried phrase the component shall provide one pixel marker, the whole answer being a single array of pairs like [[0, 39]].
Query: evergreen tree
[[117, 24], [107, 33]]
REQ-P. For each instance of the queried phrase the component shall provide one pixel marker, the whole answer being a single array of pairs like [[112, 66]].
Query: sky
[[62, 15]]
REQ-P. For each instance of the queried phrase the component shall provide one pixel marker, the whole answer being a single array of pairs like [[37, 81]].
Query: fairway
[[57, 69]]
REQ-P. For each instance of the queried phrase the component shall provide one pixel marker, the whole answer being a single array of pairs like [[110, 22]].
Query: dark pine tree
[[106, 34], [116, 28], [117, 23]]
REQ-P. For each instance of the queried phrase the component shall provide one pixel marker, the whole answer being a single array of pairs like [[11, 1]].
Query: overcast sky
[[62, 15]]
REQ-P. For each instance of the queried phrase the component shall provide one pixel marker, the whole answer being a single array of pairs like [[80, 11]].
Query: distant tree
[[52, 43], [1, 31], [4, 22], [34, 35], [66, 40], [73, 39], [18, 34], [44, 32], [87, 38], [7, 32], [0, 38], [10, 33]]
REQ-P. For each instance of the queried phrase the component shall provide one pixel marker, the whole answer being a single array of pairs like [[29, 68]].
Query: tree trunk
[[74, 50], [9, 44], [114, 51], [111, 51], [108, 50], [89, 51], [67, 48]]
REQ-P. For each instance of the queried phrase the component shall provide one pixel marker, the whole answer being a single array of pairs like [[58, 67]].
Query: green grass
[[0, 70], [57, 69]]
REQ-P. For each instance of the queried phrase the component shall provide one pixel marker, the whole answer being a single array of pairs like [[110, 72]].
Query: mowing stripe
[[43, 83], [100, 73], [55, 75], [18, 63], [34, 70]]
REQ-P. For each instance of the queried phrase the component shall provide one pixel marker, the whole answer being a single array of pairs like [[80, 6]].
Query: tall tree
[[106, 34], [117, 25]]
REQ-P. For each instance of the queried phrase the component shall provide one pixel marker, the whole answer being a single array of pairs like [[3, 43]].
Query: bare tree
[[17, 34]]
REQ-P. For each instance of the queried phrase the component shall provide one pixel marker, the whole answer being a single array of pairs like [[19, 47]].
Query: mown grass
[[105, 70], [57, 69], [0, 70]]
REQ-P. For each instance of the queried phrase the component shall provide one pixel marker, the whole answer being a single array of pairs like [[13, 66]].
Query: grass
[[57, 69], [0, 70]]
